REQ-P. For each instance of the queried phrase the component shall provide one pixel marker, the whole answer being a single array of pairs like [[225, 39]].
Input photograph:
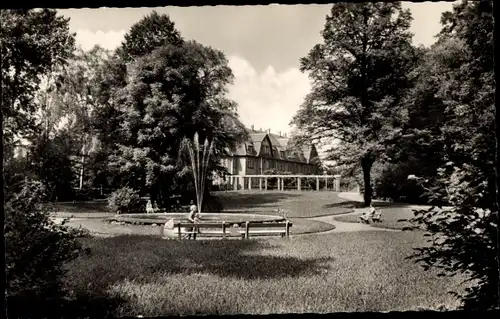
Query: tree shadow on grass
[[356, 204], [79, 306], [148, 259], [144, 257]]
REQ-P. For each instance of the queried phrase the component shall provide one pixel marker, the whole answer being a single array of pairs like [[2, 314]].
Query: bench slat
[[200, 225], [270, 231], [270, 225]]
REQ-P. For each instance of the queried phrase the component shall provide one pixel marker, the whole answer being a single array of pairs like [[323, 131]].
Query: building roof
[[278, 144]]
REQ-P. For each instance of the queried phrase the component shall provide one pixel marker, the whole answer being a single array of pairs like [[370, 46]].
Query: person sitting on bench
[[367, 215]]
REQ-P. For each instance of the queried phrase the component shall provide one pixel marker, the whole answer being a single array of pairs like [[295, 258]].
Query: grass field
[[366, 271], [300, 226], [298, 204]]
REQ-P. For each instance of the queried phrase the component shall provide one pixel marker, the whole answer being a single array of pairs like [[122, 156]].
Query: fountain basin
[[161, 218], [167, 220]]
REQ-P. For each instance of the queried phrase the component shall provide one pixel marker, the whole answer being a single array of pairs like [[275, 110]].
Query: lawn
[[366, 271], [88, 209], [102, 227], [298, 204]]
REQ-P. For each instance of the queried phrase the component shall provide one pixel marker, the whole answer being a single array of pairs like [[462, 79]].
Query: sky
[[263, 45]]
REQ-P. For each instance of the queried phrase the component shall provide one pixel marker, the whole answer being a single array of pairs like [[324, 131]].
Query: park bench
[[265, 229], [376, 217], [225, 229]]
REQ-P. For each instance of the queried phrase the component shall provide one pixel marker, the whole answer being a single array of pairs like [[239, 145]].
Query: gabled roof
[[278, 143]]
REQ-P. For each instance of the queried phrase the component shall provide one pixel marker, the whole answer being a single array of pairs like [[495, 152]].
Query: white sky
[[263, 45]]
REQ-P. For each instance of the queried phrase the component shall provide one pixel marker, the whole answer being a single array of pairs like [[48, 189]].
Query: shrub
[[462, 238], [212, 204], [36, 250], [124, 200]]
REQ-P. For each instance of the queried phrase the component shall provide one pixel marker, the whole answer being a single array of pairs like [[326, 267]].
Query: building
[[265, 151]]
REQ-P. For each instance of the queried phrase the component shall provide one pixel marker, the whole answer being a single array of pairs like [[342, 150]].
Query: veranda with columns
[[245, 181]]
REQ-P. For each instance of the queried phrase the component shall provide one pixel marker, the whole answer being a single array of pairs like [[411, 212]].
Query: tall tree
[[79, 92], [172, 93], [33, 42], [359, 76], [151, 32]]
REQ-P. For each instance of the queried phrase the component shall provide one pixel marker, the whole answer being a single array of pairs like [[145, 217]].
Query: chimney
[[280, 133], [268, 131], [285, 134], [252, 127]]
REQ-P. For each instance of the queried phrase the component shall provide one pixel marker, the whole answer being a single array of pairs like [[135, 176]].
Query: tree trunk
[[82, 169], [366, 165]]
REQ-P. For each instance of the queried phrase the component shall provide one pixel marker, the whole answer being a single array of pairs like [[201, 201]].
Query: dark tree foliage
[[50, 162], [36, 250], [151, 32], [172, 93], [148, 34], [464, 236], [33, 42]]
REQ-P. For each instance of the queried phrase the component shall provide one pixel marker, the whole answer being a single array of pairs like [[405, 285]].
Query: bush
[[462, 239], [36, 250], [211, 204], [124, 201]]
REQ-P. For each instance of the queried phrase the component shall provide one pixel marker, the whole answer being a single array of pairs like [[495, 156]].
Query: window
[[250, 162], [250, 149], [282, 154], [266, 149]]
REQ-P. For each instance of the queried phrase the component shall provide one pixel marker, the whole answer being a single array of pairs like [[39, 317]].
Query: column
[[317, 183], [249, 183], [235, 183], [298, 183], [283, 184], [326, 183], [260, 183], [279, 183], [265, 183], [337, 184]]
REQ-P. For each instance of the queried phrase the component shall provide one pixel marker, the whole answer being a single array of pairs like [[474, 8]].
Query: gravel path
[[349, 227]]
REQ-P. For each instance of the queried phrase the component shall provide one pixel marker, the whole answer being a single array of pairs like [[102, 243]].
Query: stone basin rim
[[163, 217]]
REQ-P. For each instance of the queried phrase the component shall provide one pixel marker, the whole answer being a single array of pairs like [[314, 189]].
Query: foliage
[[360, 74], [49, 160], [124, 200], [464, 238], [36, 248], [172, 93], [145, 36], [28, 51], [391, 182]]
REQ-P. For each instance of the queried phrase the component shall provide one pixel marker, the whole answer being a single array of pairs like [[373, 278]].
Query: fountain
[[199, 166]]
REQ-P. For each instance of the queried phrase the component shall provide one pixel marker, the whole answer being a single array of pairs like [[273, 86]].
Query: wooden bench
[[226, 229], [256, 228], [376, 217]]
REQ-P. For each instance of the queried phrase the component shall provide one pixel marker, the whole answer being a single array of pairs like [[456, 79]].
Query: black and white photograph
[[183, 160]]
